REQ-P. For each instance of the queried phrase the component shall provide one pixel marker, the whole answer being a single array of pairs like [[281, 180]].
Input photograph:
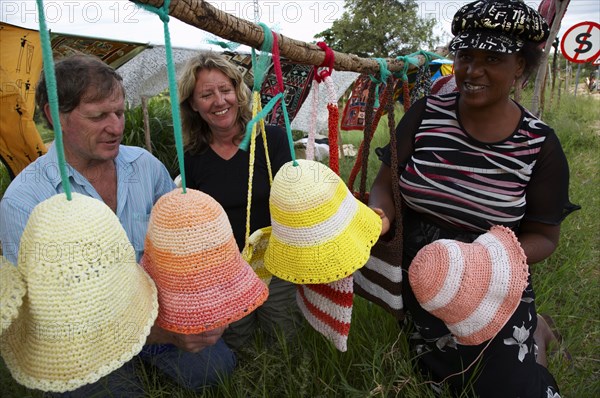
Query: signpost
[[581, 43]]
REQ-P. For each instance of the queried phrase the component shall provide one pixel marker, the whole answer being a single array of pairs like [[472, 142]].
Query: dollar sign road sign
[[581, 42]]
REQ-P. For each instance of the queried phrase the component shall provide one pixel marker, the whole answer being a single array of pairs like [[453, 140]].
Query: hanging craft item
[[444, 85], [191, 254], [12, 290], [422, 85], [256, 243], [380, 280], [372, 118], [423, 80], [328, 309], [88, 309], [332, 108], [474, 288], [353, 115], [321, 233], [327, 306], [403, 75], [296, 78]]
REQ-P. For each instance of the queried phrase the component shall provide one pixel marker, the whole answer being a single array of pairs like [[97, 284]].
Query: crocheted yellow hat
[[12, 290], [473, 287], [321, 232], [203, 282], [88, 308], [254, 253]]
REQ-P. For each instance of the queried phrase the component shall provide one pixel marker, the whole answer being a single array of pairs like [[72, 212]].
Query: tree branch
[[204, 16]]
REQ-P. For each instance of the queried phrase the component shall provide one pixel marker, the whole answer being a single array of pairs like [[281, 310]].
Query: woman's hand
[[385, 222], [187, 342]]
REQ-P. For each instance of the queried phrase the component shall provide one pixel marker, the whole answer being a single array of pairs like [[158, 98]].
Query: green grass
[[378, 362]]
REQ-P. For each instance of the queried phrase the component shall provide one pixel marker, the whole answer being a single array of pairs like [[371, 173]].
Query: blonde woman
[[215, 109]]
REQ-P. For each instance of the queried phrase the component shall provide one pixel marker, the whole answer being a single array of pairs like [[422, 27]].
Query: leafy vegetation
[[380, 28], [161, 131]]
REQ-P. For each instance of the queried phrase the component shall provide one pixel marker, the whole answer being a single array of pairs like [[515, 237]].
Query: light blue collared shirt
[[141, 180]]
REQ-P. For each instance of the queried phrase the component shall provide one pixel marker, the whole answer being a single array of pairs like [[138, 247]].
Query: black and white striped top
[[471, 185]]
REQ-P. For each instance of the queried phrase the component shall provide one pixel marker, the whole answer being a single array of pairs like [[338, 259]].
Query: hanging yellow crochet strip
[[256, 244]]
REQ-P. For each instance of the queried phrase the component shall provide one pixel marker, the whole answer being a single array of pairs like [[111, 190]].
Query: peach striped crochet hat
[[12, 290], [320, 232], [203, 282], [88, 308], [473, 287]]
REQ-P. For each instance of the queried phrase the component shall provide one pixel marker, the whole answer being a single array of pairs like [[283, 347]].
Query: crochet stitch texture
[[320, 232], [12, 290], [88, 308], [473, 287], [203, 282], [328, 309]]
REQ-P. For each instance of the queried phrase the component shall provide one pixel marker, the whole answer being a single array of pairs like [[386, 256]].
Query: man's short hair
[[79, 78]]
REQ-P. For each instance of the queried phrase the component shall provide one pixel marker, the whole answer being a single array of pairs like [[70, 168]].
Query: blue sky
[[300, 19]]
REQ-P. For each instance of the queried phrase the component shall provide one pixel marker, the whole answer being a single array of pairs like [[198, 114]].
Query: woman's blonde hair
[[196, 133]]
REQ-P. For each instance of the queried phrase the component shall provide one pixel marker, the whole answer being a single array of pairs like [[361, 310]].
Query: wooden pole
[[561, 8], [555, 69], [204, 16], [577, 79]]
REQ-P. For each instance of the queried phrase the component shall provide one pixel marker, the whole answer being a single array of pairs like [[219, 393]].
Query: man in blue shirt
[[127, 179]]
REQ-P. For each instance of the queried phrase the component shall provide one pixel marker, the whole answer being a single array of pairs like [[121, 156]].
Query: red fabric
[[327, 63], [333, 123]]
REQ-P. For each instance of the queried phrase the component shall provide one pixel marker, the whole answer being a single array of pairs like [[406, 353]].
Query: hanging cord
[[407, 60], [333, 126], [366, 135], [259, 75], [256, 107], [51, 88], [312, 127], [383, 76], [388, 95], [279, 76], [319, 76], [422, 85], [372, 127], [163, 14]]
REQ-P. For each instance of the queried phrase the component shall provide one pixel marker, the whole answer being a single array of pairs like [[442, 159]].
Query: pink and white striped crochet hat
[[473, 287]]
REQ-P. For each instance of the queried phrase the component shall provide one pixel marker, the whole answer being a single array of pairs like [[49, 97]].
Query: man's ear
[[48, 114]]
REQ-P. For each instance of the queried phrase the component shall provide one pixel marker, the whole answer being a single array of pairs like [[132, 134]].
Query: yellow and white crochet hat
[[88, 308], [320, 232], [12, 290]]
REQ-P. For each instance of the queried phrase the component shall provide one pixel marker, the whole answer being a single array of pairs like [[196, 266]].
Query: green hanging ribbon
[[429, 56], [407, 60], [51, 88], [260, 66], [163, 13], [384, 73]]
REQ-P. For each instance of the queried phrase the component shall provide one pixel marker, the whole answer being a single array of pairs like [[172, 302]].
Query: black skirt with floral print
[[503, 367]]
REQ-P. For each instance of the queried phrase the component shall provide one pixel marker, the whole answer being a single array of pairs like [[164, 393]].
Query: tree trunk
[[204, 16]]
